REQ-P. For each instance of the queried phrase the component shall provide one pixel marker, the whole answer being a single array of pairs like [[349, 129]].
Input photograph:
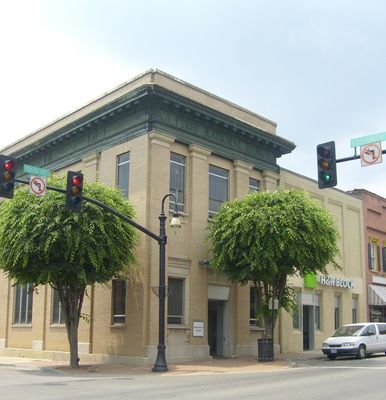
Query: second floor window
[[254, 185], [374, 256], [23, 304], [218, 188], [177, 180], [118, 301], [123, 170]]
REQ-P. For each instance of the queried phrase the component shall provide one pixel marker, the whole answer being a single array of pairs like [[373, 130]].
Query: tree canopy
[[268, 236], [42, 242]]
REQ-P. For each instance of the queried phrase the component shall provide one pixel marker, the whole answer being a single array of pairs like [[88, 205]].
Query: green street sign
[[31, 169], [376, 137]]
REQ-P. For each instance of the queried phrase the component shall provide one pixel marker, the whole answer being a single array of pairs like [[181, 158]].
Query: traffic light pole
[[354, 157], [146, 231], [160, 363]]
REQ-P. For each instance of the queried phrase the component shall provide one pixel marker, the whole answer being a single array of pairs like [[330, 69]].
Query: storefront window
[[317, 311], [337, 311], [296, 312]]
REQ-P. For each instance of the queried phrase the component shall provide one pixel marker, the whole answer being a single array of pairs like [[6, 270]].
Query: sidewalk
[[213, 366]]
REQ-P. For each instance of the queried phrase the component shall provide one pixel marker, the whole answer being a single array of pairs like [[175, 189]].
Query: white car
[[356, 340]]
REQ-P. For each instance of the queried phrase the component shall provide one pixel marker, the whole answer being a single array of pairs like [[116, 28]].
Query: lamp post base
[[160, 363]]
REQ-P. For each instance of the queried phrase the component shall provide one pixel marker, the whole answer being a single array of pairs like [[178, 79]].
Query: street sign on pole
[[37, 185], [371, 154], [377, 137], [37, 171]]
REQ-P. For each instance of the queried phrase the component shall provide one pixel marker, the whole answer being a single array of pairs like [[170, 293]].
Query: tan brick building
[[374, 216], [150, 136]]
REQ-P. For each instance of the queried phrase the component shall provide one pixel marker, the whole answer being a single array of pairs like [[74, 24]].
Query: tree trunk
[[72, 301]]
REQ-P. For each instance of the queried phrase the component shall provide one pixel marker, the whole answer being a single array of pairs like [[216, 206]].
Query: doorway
[[216, 336], [308, 327]]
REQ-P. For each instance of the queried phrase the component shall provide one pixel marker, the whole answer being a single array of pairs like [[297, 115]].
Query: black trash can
[[265, 349]]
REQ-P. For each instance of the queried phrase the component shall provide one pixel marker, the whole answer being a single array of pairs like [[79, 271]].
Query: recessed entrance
[[216, 336], [308, 327]]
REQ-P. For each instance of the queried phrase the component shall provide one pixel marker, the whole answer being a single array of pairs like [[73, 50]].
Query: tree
[[268, 236], [42, 242]]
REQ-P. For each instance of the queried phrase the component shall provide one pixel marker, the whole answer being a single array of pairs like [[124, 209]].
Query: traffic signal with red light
[[326, 165], [7, 176], [74, 190]]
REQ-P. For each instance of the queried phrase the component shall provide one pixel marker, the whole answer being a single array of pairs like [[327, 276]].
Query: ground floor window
[[57, 316], [23, 304], [317, 311], [354, 310], [377, 313], [176, 301], [337, 307], [118, 301], [254, 319], [296, 313]]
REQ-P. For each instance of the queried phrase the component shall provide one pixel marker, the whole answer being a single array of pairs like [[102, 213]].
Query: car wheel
[[331, 356], [362, 352]]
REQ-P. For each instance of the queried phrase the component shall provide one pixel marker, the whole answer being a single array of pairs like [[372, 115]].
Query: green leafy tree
[[268, 236], [42, 242]]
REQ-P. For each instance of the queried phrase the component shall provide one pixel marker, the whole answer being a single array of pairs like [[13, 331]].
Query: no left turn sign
[[371, 154], [37, 185]]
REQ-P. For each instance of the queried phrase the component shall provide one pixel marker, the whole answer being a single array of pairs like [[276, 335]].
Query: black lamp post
[[160, 363]]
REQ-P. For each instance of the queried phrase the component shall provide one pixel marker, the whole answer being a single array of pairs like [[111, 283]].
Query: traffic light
[[74, 190], [7, 176], [326, 165]]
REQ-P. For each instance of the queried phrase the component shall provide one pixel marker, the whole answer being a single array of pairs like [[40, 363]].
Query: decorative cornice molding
[[153, 110]]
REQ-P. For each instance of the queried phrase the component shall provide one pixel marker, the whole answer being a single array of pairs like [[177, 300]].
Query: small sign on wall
[[198, 328]]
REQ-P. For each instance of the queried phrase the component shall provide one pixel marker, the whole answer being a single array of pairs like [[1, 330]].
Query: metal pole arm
[[106, 208]]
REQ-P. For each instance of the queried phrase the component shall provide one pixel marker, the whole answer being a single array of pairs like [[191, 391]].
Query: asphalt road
[[347, 379]]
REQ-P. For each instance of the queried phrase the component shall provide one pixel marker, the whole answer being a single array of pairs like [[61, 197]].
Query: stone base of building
[[181, 353], [251, 350]]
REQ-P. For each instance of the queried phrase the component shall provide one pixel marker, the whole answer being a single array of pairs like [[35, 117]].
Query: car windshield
[[348, 330]]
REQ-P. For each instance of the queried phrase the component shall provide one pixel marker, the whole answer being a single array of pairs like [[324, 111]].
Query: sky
[[315, 67]]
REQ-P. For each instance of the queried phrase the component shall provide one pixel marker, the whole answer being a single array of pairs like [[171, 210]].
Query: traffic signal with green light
[[74, 190], [7, 176], [326, 165]]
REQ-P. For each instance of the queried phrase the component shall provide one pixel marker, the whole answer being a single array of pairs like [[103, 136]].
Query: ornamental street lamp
[[160, 363]]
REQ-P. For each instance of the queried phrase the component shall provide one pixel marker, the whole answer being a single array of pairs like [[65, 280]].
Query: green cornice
[[153, 107]]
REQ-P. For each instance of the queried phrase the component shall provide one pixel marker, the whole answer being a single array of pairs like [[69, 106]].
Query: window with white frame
[[176, 301], [177, 181], [57, 316], [218, 188], [118, 294], [23, 304], [123, 173], [254, 185], [317, 311]]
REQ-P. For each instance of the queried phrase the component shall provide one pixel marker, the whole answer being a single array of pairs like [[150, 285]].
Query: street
[[313, 379]]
